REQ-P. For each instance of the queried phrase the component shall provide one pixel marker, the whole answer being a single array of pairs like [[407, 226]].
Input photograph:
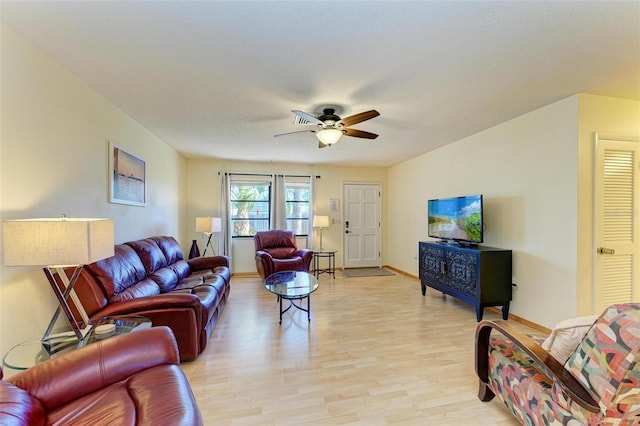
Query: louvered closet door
[[617, 225]]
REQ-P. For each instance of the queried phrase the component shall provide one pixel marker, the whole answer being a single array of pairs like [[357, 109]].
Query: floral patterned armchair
[[599, 384]]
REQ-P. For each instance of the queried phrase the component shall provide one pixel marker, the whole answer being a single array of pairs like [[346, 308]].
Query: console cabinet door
[[462, 273], [432, 267]]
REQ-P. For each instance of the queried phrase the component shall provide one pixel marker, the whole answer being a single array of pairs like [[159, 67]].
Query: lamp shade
[[208, 224], [61, 241], [320, 221], [329, 136]]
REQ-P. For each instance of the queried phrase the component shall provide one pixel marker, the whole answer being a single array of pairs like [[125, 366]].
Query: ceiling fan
[[331, 127]]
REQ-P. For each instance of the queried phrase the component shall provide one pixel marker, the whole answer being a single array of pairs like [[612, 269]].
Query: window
[[297, 207], [250, 207]]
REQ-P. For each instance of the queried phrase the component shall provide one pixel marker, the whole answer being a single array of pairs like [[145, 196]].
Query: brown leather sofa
[[131, 379], [150, 278], [276, 251]]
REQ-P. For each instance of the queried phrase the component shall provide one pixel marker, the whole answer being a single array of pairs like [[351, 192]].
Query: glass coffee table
[[31, 352], [293, 286]]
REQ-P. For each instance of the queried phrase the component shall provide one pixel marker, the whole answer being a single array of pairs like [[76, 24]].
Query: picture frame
[[127, 177]]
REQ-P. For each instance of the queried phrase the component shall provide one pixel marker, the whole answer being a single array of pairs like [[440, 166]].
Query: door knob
[[603, 250]]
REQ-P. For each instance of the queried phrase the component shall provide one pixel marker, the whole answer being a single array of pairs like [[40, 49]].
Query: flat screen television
[[457, 219]]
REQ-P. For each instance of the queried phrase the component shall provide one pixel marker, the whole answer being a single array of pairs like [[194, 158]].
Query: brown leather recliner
[[131, 379], [276, 251]]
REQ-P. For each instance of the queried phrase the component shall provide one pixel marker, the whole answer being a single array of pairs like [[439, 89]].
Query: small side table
[[331, 267], [31, 352]]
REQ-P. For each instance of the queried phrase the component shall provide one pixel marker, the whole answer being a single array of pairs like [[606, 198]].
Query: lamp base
[[208, 244], [62, 287]]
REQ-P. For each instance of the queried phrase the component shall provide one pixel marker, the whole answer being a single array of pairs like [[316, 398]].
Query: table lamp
[[320, 222], [63, 246], [208, 226]]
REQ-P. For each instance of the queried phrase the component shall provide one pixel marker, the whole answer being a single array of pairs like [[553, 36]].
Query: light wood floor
[[375, 353]]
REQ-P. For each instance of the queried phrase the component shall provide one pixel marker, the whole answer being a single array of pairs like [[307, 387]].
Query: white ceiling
[[219, 79]]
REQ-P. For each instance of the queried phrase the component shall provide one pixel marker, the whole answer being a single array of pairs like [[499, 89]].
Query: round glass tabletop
[[291, 284]]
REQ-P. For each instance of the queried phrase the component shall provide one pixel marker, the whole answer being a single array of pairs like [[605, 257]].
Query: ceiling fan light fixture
[[329, 136]]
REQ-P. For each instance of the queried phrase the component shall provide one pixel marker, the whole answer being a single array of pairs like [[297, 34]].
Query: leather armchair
[[131, 379], [276, 251]]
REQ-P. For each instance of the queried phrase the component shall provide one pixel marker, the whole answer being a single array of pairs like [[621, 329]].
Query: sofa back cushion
[[150, 254], [144, 288], [607, 361], [170, 248], [117, 273], [163, 260], [280, 244]]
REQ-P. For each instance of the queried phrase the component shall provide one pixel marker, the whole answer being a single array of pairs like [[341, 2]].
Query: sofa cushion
[[141, 399], [181, 268], [118, 272], [281, 252], [524, 388], [150, 254], [166, 279], [170, 248], [146, 287]]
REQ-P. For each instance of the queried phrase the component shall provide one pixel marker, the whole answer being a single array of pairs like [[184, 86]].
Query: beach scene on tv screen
[[456, 218]]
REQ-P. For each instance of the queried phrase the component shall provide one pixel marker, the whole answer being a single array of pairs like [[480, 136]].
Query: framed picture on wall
[[127, 177]]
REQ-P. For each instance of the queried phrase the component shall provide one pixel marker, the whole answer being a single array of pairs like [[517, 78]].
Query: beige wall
[[54, 160], [535, 172], [204, 195], [611, 117]]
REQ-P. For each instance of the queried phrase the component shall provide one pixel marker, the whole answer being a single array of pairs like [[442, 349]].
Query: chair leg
[[485, 394]]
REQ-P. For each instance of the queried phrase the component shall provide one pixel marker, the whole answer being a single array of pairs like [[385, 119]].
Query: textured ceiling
[[219, 79]]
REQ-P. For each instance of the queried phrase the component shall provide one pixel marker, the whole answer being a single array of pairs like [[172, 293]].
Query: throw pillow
[[567, 335]]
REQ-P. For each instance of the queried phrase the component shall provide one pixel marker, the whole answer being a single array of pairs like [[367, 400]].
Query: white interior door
[[361, 225], [617, 228]]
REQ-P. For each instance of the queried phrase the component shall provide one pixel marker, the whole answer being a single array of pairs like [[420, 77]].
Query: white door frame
[[378, 235]]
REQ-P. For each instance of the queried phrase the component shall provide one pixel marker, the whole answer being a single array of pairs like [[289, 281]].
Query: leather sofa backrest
[[150, 254], [170, 248], [163, 260], [102, 281], [279, 243], [137, 269]]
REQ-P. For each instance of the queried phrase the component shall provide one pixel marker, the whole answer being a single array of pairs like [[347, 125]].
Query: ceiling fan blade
[[310, 118], [358, 118], [359, 133], [291, 133]]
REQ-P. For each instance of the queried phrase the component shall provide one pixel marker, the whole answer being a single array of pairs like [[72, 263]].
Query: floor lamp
[[320, 222], [208, 226], [64, 245]]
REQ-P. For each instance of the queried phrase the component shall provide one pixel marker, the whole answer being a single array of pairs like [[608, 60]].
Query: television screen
[[457, 219]]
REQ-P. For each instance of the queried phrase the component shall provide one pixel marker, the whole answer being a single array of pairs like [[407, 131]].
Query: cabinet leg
[[424, 289], [505, 311]]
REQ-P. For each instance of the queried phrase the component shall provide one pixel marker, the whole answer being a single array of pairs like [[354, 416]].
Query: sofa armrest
[[61, 380], [264, 263], [208, 262], [158, 302], [306, 255], [543, 359]]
